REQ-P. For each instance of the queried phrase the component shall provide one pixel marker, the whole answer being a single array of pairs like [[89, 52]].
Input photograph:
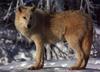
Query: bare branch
[[17, 4], [81, 5], [8, 12]]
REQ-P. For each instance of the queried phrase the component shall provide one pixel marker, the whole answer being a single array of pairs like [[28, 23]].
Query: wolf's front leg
[[39, 52]]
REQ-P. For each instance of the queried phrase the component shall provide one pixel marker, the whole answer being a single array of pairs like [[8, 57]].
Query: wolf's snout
[[29, 23]]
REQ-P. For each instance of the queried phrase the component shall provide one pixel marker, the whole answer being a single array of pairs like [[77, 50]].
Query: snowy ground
[[51, 66]]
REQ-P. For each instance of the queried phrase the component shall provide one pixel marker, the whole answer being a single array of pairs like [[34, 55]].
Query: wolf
[[40, 27]]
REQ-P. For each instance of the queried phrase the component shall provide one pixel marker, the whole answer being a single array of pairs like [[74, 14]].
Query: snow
[[97, 62], [51, 66], [97, 30]]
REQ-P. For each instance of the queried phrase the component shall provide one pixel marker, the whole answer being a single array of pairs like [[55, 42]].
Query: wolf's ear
[[33, 8], [20, 9]]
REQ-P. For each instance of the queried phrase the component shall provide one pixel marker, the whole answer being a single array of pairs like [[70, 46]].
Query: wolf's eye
[[24, 17]]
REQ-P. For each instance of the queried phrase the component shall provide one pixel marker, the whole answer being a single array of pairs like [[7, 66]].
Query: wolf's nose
[[29, 26]]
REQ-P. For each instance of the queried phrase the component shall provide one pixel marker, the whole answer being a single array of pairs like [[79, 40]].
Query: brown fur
[[39, 27]]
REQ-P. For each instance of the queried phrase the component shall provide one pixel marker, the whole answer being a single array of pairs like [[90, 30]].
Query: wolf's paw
[[35, 67], [76, 68]]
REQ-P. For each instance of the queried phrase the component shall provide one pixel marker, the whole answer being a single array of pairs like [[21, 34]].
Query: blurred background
[[14, 47]]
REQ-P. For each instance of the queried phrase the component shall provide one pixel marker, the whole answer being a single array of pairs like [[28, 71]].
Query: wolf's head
[[24, 15]]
